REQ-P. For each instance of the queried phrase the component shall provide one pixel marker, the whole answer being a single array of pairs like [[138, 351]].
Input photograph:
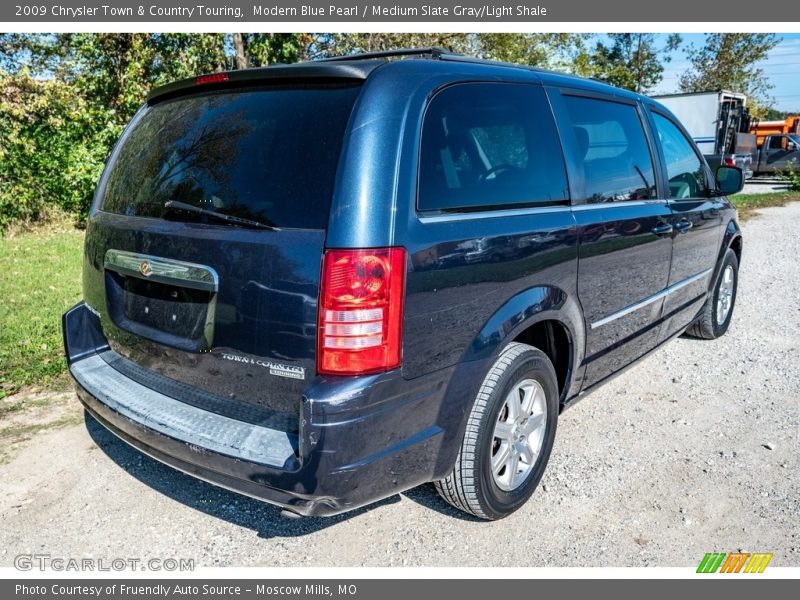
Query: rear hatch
[[203, 252]]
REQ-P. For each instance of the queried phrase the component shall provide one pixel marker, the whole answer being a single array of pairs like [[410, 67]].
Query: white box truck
[[719, 124]]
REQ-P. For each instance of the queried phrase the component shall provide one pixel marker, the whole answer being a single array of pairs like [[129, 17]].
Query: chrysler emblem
[[145, 268]]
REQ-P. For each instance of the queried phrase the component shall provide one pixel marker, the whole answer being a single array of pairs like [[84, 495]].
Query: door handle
[[662, 229], [683, 225]]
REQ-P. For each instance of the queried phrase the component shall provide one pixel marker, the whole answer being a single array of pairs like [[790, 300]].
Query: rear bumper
[[359, 440]]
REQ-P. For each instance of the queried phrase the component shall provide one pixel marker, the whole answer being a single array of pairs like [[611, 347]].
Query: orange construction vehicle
[[790, 125]]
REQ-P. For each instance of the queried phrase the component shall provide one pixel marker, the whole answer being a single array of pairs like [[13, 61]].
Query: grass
[[40, 277], [748, 204]]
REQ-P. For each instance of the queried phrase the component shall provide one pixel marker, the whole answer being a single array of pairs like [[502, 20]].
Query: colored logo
[[145, 268], [735, 562]]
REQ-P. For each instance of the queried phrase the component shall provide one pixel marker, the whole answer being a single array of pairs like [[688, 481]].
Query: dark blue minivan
[[326, 283]]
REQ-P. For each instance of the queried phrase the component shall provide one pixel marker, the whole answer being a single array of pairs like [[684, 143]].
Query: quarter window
[[490, 145], [687, 178], [613, 150]]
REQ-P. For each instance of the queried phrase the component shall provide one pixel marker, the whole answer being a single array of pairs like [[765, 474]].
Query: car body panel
[[622, 264]]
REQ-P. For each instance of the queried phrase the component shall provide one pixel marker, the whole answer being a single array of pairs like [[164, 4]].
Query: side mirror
[[730, 180], [792, 146]]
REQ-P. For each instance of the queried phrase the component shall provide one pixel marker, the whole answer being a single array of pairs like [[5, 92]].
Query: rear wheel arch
[[731, 240], [736, 245], [544, 317], [554, 338], [523, 311]]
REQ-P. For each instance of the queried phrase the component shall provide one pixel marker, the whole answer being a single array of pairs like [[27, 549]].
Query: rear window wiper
[[177, 205]]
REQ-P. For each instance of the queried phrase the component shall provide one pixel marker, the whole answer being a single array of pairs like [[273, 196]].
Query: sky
[[782, 67]]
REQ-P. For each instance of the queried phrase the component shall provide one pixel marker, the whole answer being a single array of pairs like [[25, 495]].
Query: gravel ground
[[765, 185], [693, 450]]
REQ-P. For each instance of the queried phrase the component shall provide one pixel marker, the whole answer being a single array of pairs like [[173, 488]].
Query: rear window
[[268, 155]]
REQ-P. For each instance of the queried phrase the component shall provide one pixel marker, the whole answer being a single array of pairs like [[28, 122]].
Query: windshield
[[268, 155]]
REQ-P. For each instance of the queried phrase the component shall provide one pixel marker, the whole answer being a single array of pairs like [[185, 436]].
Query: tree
[[773, 114], [50, 155], [262, 49], [632, 60], [340, 44], [728, 61], [189, 54], [545, 50]]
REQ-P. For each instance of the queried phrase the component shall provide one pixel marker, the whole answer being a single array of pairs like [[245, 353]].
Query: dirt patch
[[31, 411]]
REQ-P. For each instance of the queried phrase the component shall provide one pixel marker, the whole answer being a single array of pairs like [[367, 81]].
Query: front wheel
[[509, 436], [715, 318]]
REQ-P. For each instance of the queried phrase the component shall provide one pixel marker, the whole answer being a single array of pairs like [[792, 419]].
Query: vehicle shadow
[[427, 496], [688, 337], [265, 519]]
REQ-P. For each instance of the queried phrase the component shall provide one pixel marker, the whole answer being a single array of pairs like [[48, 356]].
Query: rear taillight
[[360, 311], [211, 78], [729, 162]]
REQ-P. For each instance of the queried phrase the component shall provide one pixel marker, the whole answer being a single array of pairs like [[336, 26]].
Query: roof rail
[[432, 52]]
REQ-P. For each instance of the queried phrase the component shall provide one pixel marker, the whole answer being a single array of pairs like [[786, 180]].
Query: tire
[[714, 318], [524, 375]]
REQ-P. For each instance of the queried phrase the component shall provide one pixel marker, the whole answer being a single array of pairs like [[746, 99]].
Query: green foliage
[[181, 55], [546, 50], [264, 49], [728, 61], [113, 72], [632, 60], [51, 151], [773, 114], [791, 177], [340, 44]]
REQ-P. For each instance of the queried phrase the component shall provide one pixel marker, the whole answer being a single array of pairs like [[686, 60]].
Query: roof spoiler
[[314, 70]]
